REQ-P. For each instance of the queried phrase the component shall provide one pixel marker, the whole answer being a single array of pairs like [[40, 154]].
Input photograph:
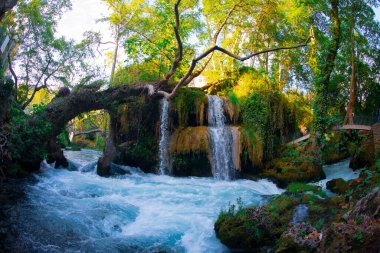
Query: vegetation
[[285, 68], [252, 228]]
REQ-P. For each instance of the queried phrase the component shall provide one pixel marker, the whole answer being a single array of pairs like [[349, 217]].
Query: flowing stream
[[221, 141], [78, 211], [164, 167], [338, 170]]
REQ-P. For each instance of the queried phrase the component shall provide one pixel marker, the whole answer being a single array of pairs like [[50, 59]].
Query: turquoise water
[[338, 170], [75, 211]]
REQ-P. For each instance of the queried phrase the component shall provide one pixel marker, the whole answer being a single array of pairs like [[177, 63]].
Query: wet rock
[[300, 214], [286, 172], [338, 186], [248, 231]]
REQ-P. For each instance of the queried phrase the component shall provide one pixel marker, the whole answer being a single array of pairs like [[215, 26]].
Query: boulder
[[338, 186], [360, 230], [299, 238]]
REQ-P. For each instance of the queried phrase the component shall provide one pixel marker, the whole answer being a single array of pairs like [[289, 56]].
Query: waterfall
[[221, 140], [164, 149]]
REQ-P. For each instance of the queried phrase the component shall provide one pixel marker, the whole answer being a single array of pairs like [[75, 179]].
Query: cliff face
[[138, 131]]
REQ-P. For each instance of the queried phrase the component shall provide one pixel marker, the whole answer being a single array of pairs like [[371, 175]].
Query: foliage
[[143, 150], [63, 138], [189, 101], [271, 116], [42, 59], [28, 134], [302, 188]]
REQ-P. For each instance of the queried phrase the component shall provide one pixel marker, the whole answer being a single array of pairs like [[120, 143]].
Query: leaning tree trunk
[[66, 106]]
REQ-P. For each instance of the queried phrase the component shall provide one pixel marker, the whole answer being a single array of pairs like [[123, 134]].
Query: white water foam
[[71, 211], [338, 170]]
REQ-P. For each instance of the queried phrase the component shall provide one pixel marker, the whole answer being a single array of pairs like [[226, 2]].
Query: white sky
[[84, 17]]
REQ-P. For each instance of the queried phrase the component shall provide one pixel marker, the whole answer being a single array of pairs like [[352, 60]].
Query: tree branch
[[179, 57], [36, 87], [98, 130], [215, 39], [225, 51]]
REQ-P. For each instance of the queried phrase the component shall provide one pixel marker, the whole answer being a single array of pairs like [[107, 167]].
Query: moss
[[190, 103], [190, 139], [269, 225], [191, 164], [338, 186], [295, 164], [141, 153], [301, 188]]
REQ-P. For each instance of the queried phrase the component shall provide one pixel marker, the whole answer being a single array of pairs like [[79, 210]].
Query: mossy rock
[[191, 164], [304, 188], [245, 230], [338, 186], [285, 173]]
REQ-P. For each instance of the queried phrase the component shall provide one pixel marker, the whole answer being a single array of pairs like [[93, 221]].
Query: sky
[[84, 16]]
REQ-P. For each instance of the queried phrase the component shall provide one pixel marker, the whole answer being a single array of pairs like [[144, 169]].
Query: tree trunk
[[321, 87], [115, 53], [104, 163], [5, 6], [349, 118]]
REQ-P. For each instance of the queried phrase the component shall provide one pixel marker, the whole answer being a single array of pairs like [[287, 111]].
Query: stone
[[338, 186]]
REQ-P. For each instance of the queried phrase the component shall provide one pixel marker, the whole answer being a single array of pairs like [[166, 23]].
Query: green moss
[[302, 187], [188, 101], [191, 164], [295, 164]]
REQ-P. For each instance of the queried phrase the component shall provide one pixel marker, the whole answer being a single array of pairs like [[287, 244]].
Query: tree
[[42, 60], [5, 6], [363, 31]]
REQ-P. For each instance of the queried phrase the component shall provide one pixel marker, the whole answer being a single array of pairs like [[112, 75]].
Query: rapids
[[78, 211]]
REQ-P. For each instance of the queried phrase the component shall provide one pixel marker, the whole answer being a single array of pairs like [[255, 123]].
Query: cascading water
[[77, 211], [221, 141], [164, 149]]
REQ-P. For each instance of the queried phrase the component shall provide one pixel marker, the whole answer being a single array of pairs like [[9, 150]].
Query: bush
[[28, 135]]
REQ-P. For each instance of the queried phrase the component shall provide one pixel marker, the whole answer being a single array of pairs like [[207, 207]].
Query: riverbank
[[347, 221]]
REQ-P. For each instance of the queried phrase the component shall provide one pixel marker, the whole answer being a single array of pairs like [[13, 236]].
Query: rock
[[360, 230], [284, 173], [299, 238], [367, 208], [248, 231], [343, 237], [55, 154], [363, 154], [338, 186]]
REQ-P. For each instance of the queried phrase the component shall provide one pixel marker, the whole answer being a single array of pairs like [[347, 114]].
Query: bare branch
[[98, 130], [179, 57], [37, 87], [225, 51], [215, 39]]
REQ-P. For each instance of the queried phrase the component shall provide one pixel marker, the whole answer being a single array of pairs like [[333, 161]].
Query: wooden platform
[[354, 127], [345, 127]]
